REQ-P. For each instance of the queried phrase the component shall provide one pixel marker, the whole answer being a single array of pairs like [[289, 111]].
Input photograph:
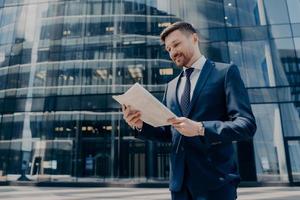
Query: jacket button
[[182, 148], [221, 179]]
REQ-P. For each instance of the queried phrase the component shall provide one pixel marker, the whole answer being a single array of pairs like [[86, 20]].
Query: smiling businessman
[[213, 110]]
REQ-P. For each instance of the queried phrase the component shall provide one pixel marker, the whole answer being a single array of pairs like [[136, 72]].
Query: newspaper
[[153, 112]]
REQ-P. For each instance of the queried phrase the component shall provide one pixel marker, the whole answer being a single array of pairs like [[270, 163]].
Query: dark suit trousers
[[226, 192]]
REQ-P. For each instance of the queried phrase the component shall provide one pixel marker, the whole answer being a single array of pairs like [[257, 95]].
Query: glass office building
[[62, 60]]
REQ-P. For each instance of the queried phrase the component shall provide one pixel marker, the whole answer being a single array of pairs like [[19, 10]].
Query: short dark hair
[[182, 26]]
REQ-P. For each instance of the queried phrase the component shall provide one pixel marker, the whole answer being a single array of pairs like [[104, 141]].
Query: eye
[[176, 44]]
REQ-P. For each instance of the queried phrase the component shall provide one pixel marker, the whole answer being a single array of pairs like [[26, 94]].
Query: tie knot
[[188, 72]]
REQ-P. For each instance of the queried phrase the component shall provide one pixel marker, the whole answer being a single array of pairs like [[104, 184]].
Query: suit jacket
[[221, 102]]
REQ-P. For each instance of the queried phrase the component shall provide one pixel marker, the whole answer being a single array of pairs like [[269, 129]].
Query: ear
[[195, 37]]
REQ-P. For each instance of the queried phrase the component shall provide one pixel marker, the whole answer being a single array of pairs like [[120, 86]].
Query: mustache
[[176, 55]]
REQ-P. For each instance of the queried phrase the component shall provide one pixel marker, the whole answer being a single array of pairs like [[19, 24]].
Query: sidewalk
[[55, 193]]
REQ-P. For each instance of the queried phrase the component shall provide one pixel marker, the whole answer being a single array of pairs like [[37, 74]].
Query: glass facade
[[61, 62]]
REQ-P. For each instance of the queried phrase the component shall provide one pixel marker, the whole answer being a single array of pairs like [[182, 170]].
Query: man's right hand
[[132, 117]]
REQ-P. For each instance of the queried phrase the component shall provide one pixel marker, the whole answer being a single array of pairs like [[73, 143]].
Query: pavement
[[113, 193]]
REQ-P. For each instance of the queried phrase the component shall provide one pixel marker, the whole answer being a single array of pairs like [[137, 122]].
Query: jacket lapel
[[203, 77], [174, 87]]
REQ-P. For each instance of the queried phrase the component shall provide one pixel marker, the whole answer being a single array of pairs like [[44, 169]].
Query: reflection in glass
[[291, 119], [278, 31], [268, 142], [230, 9], [294, 152], [296, 30], [251, 13], [258, 69], [297, 47], [277, 13], [294, 7], [286, 62]]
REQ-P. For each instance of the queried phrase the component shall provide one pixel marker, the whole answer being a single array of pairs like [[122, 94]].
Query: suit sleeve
[[241, 125], [158, 134]]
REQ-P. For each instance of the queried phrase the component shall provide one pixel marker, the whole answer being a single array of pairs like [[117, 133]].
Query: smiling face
[[182, 47]]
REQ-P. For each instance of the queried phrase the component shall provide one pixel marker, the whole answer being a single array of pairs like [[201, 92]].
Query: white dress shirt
[[198, 65]]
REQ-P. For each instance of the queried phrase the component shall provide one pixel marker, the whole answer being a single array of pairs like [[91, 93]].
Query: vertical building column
[[278, 135], [113, 151], [279, 145], [261, 12], [31, 34], [151, 155]]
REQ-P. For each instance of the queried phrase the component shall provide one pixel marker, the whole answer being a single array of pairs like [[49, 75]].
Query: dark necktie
[[185, 98]]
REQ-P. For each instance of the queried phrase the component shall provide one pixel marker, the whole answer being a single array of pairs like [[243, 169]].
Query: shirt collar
[[198, 64]]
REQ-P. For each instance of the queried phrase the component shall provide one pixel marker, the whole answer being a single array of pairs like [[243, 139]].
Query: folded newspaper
[[153, 112]]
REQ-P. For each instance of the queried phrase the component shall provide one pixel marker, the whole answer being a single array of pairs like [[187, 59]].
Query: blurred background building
[[62, 60]]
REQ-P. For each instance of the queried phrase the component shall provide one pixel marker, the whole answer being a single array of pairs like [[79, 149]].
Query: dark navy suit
[[221, 102]]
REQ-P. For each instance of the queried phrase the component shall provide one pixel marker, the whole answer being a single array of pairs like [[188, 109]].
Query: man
[[213, 110]]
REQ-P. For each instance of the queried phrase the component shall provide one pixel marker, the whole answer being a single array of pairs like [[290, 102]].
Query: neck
[[195, 57]]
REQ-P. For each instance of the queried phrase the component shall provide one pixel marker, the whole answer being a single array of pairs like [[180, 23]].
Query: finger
[[170, 120], [128, 112], [178, 119], [179, 130], [133, 116], [179, 125], [181, 119], [123, 108], [176, 123], [134, 121], [133, 110]]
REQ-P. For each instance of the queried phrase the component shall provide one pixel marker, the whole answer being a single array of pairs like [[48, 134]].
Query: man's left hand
[[187, 127]]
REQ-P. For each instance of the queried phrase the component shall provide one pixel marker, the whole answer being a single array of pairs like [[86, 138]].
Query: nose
[[173, 54]]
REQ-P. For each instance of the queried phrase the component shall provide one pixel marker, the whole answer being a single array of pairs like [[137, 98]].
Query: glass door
[[293, 148]]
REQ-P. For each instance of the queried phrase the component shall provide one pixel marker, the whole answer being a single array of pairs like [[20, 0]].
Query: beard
[[180, 60]]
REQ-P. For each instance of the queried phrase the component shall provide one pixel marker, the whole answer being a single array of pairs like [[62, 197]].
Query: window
[[231, 18], [294, 7], [268, 142], [250, 13], [276, 12], [278, 31], [296, 30]]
